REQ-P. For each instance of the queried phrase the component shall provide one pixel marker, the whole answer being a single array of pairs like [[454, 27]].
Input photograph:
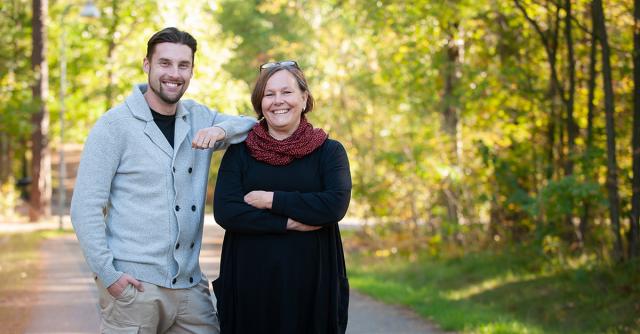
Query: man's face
[[169, 71]]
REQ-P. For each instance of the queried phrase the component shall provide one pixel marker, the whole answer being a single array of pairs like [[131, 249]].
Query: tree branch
[[551, 52]]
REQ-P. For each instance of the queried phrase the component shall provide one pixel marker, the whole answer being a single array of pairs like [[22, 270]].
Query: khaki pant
[[158, 310]]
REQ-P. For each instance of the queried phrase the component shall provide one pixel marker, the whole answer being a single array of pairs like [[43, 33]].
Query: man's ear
[[145, 65]]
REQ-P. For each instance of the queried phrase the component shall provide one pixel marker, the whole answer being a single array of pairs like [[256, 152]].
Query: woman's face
[[282, 104]]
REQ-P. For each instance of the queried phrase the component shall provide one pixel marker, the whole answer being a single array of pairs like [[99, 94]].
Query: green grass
[[510, 292]]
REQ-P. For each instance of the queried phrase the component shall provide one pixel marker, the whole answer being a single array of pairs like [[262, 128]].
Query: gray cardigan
[[138, 204]]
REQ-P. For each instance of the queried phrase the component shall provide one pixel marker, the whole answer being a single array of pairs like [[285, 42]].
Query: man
[[139, 199]]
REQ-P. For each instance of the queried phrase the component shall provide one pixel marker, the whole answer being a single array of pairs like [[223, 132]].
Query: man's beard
[[164, 97]]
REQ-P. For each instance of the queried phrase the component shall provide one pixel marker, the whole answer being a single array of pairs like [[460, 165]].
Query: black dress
[[273, 280]]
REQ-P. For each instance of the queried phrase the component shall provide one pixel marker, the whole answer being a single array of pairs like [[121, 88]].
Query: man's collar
[[140, 108]]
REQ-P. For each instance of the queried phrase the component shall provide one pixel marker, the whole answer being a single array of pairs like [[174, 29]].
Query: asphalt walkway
[[67, 294]]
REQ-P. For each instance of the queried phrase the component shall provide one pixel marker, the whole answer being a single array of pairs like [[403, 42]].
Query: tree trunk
[[549, 39], [450, 110], [588, 160], [634, 240], [555, 95], [40, 197], [451, 116], [5, 158], [111, 46], [612, 165], [551, 137], [572, 127]]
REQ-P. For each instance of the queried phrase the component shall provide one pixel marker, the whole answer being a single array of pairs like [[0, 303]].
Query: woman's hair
[[261, 83]]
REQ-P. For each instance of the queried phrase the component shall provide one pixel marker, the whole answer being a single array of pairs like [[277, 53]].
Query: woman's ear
[[305, 97]]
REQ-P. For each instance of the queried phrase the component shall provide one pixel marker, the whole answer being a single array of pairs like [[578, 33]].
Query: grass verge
[[507, 292]]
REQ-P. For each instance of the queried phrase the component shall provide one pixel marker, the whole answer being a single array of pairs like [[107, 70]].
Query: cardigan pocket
[[107, 328]]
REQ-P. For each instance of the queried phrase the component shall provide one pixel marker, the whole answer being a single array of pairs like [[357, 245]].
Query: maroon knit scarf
[[275, 152]]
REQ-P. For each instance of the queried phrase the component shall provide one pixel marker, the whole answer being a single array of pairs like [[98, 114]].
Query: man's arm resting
[[235, 128], [230, 130]]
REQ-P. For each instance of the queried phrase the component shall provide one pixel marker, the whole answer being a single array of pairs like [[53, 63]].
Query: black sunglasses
[[279, 63]]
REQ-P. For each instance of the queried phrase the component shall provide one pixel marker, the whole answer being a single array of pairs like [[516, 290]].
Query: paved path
[[67, 295]]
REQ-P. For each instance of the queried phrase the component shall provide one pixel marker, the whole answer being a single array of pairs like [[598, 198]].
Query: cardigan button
[[184, 118], [177, 245], [190, 170], [190, 279], [174, 169], [192, 244], [177, 207], [193, 208], [174, 281]]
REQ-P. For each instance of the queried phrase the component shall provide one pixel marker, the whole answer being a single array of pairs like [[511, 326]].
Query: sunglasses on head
[[279, 63]]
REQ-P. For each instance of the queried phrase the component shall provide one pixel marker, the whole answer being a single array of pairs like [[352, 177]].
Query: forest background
[[501, 133]]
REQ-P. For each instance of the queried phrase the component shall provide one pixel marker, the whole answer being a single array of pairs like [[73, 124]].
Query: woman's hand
[[259, 199], [300, 227]]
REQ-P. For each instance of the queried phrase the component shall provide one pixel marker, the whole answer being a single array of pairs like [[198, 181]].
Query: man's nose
[[173, 71]]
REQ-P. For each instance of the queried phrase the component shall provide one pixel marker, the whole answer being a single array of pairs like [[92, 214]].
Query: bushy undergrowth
[[521, 288]]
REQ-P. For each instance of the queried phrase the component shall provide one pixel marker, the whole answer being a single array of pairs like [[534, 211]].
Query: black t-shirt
[[166, 124]]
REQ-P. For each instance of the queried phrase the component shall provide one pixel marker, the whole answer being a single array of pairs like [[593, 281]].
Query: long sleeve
[[230, 210], [327, 206], [100, 159], [235, 127]]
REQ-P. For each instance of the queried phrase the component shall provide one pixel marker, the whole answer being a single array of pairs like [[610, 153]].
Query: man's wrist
[[224, 132]]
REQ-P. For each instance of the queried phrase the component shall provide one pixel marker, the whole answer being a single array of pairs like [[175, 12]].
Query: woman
[[279, 196]]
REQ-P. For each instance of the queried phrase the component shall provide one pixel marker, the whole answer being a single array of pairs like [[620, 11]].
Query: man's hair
[[171, 35]]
